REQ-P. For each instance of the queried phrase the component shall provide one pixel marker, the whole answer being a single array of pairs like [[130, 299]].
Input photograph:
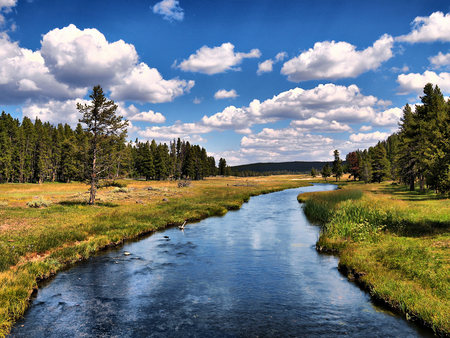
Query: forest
[[419, 153], [38, 152]]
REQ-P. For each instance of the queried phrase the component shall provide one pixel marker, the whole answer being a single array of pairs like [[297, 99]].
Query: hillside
[[297, 166]]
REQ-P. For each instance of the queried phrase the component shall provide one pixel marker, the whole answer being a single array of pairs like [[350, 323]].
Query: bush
[[38, 203], [120, 190]]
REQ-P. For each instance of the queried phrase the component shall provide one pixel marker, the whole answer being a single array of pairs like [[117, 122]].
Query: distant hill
[[298, 166]]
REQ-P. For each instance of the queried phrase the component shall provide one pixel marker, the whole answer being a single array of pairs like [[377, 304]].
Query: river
[[251, 273]]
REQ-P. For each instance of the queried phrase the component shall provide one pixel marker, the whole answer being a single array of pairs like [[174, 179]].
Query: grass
[[36, 242], [397, 240]]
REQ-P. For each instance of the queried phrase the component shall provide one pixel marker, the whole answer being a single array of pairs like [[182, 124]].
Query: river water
[[251, 273]]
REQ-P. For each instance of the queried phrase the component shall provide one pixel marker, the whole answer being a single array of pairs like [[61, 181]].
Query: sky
[[250, 81]]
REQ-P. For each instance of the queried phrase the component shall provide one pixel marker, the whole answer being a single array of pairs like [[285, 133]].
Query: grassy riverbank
[[395, 241], [37, 242]]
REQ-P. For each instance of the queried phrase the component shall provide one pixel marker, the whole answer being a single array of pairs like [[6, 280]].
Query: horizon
[[251, 82]]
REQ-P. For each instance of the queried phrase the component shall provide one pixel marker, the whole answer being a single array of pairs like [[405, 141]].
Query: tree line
[[418, 153], [35, 152]]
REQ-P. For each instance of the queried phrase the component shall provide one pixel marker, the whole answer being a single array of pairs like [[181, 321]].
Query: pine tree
[[106, 129], [326, 171], [337, 165]]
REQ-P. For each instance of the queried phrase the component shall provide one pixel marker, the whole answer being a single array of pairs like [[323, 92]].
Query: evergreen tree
[[107, 129], [380, 163], [337, 166], [326, 171]]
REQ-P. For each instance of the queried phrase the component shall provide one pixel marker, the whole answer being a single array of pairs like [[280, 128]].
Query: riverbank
[[36, 243], [394, 242]]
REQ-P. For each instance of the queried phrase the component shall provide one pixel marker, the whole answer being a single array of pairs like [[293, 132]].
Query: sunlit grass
[[35, 242], [400, 240]]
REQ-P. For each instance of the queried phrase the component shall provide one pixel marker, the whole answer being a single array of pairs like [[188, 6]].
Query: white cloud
[[84, 58], [326, 102], [335, 60], [146, 84], [186, 131], [71, 61], [215, 60], [223, 94], [5, 6], [365, 128], [149, 116], [286, 144], [414, 83], [55, 111], [24, 75], [436, 27], [404, 69], [265, 67], [197, 100], [440, 60], [389, 117], [315, 124], [280, 56], [370, 138], [169, 9]]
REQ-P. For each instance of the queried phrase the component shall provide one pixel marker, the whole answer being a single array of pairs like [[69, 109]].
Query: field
[[393, 241], [43, 228]]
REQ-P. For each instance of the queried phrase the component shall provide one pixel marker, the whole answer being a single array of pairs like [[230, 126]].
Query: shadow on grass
[[419, 229], [405, 194], [80, 203]]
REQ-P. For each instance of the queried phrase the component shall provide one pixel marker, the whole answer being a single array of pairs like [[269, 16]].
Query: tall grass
[[320, 207], [399, 240]]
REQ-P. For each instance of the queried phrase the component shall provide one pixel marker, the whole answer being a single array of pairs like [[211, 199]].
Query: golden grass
[[35, 243]]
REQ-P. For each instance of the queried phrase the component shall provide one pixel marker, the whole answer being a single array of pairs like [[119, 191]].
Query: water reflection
[[251, 273]]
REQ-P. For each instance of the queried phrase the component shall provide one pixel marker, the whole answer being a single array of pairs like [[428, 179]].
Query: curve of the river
[[251, 273]]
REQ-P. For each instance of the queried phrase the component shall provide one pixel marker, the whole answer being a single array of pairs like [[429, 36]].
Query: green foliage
[[326, 171], [38, 203]]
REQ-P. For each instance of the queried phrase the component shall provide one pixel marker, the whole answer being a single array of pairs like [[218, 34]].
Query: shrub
[[38, 203]]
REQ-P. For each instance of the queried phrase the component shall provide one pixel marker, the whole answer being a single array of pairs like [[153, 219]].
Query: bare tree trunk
[[93, 185]]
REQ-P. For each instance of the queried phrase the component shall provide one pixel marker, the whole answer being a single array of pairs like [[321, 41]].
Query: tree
[[106, 129], [353, 164], [326, 171], [380, 163], [313, 172], [337, 165]]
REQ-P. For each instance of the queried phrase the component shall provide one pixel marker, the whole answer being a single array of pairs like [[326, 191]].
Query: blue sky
[[251, 81]]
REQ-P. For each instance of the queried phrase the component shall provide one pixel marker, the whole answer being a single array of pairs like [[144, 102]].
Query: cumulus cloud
[[285, 144], [83, 58], [365, 128], [223, 94], [370, 138], [5, 6], [71, 61], [55, 111], [267, 66], [315, 124], [169, 9], [133, 114], [25, 76], [335, 60], [440, 60], [404, 69], [414, 82], [436, 27], [146, 84], [389, 117], [328, 102], [215, 60], [186, 131]]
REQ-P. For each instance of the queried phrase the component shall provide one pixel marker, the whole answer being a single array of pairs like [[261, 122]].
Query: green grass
[[400, 240], [37, 242]]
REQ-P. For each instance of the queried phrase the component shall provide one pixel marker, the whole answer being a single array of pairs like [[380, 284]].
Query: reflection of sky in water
[[253, 272]]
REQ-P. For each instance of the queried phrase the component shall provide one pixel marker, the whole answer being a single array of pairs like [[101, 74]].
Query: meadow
[[45, 228], [394, 242]]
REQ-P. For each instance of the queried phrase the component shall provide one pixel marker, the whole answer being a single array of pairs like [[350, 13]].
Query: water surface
[[251, 273]]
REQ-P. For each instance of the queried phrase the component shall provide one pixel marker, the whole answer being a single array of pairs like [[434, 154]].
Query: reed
[[399, 241]]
